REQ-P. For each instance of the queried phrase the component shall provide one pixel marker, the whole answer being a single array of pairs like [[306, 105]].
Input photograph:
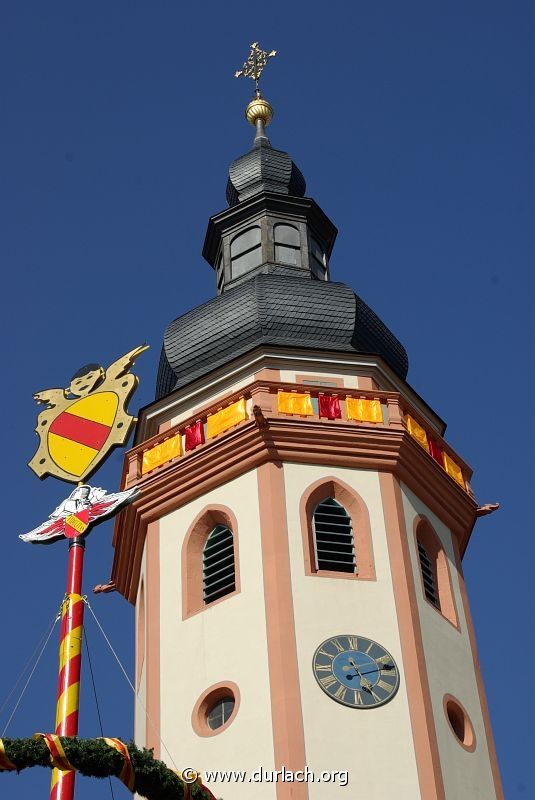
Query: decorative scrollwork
[[255, 64]]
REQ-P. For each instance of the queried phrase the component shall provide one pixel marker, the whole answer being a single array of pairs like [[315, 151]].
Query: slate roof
[[263, 169], [272, 310]]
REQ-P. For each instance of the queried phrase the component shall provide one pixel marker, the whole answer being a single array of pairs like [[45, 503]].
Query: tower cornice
[[270, 437]]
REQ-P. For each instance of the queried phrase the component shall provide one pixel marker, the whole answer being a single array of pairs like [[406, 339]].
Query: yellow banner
[[453, 469], [294, 403], [364, 410], [226, 418], [156, 456], [417, 432]]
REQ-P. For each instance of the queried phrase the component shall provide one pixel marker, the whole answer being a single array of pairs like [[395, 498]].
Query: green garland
[[94, 758]]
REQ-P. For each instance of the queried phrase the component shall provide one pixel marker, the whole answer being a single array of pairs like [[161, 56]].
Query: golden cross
[[255, 64]]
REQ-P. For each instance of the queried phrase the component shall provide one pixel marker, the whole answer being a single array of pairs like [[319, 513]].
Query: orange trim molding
[[426, 534], [419, 696], [140, 639], [207, 700], [360, 519], [152, 717], [286, 712], [192, 550]]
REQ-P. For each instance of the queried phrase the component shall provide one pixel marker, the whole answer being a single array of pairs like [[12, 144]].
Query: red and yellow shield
[[77, 435]]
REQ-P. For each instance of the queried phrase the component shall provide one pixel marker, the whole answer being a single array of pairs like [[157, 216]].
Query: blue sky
[[413, 125]]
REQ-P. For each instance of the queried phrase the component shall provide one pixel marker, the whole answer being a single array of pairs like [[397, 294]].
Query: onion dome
[[263, 169], [273, 310]]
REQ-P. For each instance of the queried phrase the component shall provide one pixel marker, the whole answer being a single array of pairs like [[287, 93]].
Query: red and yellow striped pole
[[70, 660]]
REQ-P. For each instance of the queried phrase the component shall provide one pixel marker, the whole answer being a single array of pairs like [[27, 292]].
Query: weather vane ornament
[[255, 64], [83, 422]]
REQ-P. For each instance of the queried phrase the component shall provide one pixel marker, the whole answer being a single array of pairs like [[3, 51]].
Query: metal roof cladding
[[272, 310], [263, 169]]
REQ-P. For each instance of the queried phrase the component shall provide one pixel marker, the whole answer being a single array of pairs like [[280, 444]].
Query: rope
[[138, 699], [96, 701], [30, 675], [27, 664]]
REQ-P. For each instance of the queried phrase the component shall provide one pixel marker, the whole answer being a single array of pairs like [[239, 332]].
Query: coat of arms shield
[[82, 423]]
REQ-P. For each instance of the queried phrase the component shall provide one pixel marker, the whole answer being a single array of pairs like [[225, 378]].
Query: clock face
[[356, 671]]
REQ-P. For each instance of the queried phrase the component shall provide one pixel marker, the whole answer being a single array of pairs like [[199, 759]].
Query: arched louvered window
[[334, 546], [218, 568], [428, 576]]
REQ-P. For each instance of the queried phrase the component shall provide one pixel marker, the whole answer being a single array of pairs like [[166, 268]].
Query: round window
[[460, 723], [220, 713], [215, 709]]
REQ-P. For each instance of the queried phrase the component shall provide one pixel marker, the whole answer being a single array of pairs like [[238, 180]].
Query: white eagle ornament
[[85, 507]]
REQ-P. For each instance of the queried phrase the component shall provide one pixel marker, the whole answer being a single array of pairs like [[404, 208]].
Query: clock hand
[[364, 682], [384, 660], [349, 677]]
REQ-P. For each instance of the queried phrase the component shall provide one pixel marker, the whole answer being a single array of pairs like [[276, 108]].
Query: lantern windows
[[318, 266], [287, 245], [245, 252]]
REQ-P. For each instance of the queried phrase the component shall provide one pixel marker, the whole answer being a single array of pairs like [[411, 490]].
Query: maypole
[[77, 430], [70, 663]]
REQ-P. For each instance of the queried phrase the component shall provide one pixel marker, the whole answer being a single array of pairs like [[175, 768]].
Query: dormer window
[[318, 262], [287, 245], [245, 252]]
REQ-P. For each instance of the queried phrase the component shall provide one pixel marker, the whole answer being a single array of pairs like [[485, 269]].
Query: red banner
[[194, 435], [436, 451], [329, 406]]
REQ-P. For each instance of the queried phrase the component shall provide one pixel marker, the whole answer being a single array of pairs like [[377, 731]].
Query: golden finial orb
[[259, 109]]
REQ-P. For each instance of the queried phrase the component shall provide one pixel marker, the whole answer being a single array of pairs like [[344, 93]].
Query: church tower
[[295, 554]]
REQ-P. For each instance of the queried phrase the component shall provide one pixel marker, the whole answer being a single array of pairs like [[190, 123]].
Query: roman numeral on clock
[[325, 653], [328, 681], [340, 693], [384, 685]]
